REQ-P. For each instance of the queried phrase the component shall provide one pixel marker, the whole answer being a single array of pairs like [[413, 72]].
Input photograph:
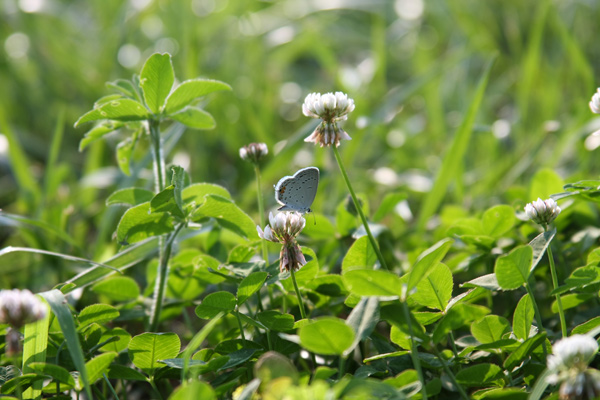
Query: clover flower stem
[[158, 155], [300, 303], [151, 380], [261, 212], [561, 313], [413, 350], [538, 316], [359, 208], [164, 253], [460, 389]]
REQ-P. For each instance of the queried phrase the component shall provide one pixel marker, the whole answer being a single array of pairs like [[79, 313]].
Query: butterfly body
[[297, 192]]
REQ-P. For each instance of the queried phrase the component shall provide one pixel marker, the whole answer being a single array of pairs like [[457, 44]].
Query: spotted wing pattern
[[297, 192]]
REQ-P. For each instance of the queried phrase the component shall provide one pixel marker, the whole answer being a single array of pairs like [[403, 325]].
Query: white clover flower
[[542, 211], [20, 307], [330, 107], [595, 102], [568, 366], [283, 228], [254, 152]]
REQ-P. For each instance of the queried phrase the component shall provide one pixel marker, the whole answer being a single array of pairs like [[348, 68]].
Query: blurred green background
[[410, 65]]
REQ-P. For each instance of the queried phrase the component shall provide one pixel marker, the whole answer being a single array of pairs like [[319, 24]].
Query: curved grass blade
[[61, 310]]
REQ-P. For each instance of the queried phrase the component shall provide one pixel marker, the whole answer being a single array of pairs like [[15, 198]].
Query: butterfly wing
[[297, 193]]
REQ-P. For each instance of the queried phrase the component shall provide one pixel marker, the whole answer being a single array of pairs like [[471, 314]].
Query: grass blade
[[34, 350], [454, 156], [61, 310]]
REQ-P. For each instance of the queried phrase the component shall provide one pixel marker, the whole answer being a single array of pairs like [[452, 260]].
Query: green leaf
[[250, 285], [586, 326], [360, 255], [241, 254], [98, 131], [129, 197], [426, 261], [118, 288], [327, 336], [276, 321], [138, 223], [273, 365], [488, 282], [545, 182], [453, 159], [97, 313], [227, 215], [124, 153], [479, 375], [194, 117], [504, 394], [458, 316], [436, 289], [23, 381], [57, 372], [35, 342], [118, 110], [372, 283], [498, 220], [194, 390], [363, 319], [147, 349], [61, 310], [238, 357], [490, 328], [165, 202], [572, 301], [122, 340], [512, 270], [526, 348], [319, 227], [156, 80], [329, 285], [523, 317], [189, 90], [99, 365], [215, 303], [117, 371], [195, 193], [539, 244], [400, 334]]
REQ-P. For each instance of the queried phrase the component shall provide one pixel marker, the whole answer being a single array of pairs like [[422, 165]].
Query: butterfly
[[297, 192]]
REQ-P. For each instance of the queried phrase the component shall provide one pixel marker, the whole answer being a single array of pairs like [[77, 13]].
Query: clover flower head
[[595, 102], [542, 211], [568, 366], [330, 107], [20, 307], [283, 228], [254, 152]]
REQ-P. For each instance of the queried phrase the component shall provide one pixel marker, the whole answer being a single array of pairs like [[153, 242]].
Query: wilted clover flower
[[568, 366], [542, 211], [20, 307], [595, 102], [283, 228], [330, 107], [254, 152]]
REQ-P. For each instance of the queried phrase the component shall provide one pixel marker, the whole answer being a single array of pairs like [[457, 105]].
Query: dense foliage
[[420, 272]]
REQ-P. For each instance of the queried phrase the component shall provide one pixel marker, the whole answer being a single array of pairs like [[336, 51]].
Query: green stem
[[239, 320], [359, 208], [261, 212], [300, 303], [536, 310], [151, 380], [450, 374], [158, 156], [268, 333], [342, 370], [413, 350], [161, 277], [110, 387], [561, 313]]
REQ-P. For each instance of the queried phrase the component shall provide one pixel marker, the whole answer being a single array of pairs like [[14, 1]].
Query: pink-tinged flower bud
[[542, 211], [595, 102], [20, 307], [254, 152]]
